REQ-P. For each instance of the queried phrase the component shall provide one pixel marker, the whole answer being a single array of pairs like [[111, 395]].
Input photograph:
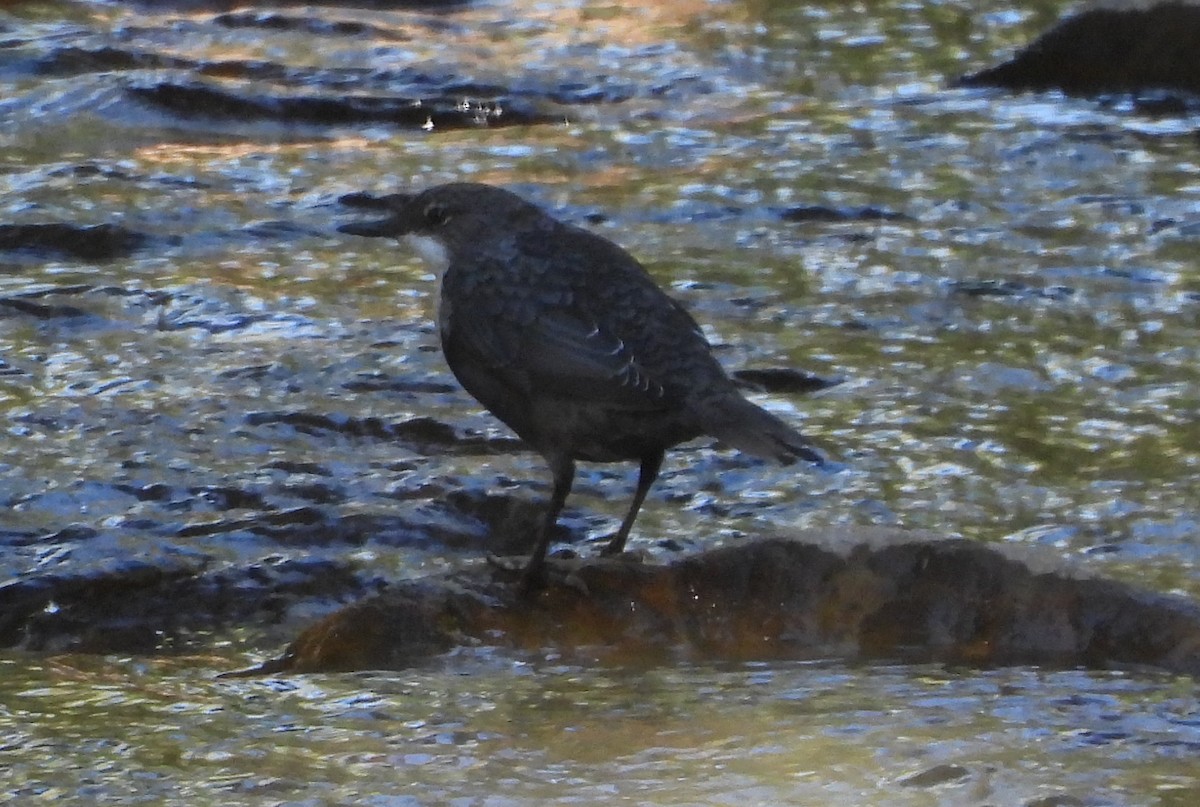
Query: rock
[[1107, 50], [213, 101], [852, 592], [143, 607], [782, 379], [937, 775], [824, 214], [100, 242]]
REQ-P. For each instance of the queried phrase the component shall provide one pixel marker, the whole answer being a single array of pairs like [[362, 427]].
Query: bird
[[565, 337]]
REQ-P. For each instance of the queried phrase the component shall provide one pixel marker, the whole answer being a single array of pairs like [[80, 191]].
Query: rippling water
[[1006, 287], [485, 731]]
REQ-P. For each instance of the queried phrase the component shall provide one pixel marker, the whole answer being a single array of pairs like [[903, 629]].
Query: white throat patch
[[431, 250], [438, 257]]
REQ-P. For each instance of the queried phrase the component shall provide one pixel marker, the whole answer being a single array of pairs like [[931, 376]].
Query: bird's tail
[[750, 428]]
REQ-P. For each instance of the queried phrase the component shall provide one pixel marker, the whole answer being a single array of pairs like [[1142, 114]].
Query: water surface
[[488, 731], [1007, 290]]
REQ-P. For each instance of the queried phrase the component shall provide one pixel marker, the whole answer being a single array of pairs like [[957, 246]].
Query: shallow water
[[1008, 293], [489, 731]]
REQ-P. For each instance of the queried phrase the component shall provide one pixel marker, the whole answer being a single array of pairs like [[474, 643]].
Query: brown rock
[[849, 593]]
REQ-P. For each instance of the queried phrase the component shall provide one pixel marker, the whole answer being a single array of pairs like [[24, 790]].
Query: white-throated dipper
[[566, 338]]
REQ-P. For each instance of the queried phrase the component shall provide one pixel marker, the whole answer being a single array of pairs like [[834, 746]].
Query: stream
[[198, 373]]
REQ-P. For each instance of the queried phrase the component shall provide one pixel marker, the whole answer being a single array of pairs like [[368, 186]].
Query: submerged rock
[[782, 379], [216, 102], [824, 214], [1108, 50], [99, 242], [151, 607], [855, 593]]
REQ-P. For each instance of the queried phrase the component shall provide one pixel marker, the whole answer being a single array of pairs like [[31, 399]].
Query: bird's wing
[[566, 347], [554, 348]]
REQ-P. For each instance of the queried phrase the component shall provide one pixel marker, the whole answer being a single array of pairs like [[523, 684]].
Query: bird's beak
[[381, 228], [393, 226]]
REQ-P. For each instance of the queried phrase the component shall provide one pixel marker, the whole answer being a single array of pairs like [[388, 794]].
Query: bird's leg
[[534, 576], [646, 476]]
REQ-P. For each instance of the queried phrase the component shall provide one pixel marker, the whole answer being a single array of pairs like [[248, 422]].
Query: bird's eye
[[436, 215]]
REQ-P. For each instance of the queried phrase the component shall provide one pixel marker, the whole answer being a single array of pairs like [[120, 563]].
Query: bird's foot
[[557, 570], [630, 555], [533, 580], [509, 564]]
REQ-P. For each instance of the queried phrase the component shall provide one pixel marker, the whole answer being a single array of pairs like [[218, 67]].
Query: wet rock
[[74, 60], [139, 607], [191, 100], [380, 382], [362, 200], [782, 380], [1108, 50], [1008, 288], [315, 26], [425, 435], [227, 6], [509, 522], [270, 524], [100, 242], [8, 370], [937, 775], [858, 593], [36, 310], [94, 303], [821, 213]]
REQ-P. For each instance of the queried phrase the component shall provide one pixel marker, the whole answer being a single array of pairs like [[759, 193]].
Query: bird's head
[[446, 220]]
